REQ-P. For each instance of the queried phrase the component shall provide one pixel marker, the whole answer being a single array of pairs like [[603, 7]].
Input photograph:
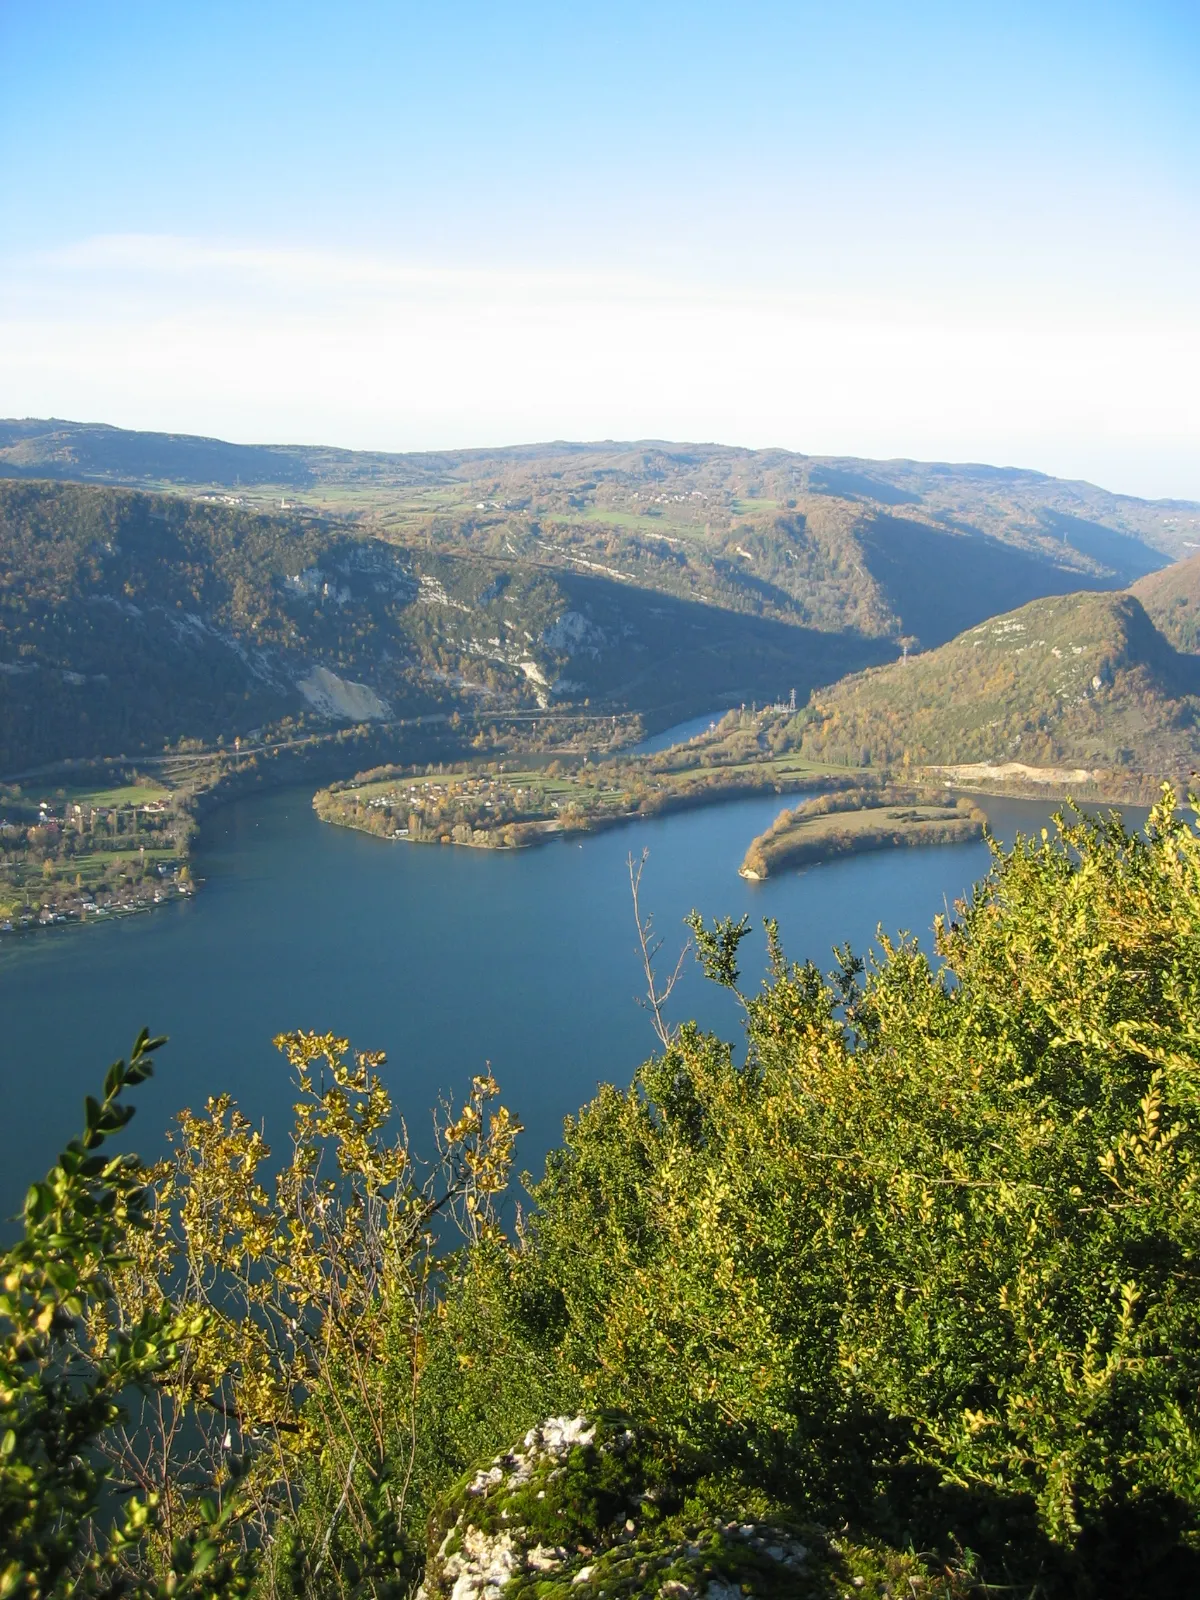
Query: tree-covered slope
[[884, 548], [129, 619], [1082, 681], [1172, 600]]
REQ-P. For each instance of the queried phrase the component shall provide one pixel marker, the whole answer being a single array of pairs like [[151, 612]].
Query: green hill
[[1084, 681], [128, 620], [1172, 600], [885, 549], [159, 587]]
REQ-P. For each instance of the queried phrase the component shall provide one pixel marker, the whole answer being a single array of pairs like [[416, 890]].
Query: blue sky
[[957, 231]]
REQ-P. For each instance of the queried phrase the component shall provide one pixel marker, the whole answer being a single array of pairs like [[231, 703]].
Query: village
[[78, 855]]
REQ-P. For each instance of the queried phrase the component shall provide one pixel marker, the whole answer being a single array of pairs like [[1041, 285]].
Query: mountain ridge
[[894, 549], [627, 576], [129, 620], [33, 432]]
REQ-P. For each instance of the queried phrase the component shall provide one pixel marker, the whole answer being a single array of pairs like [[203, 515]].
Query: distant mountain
[[1172, 599], [1083, 681], [886, 549], [128, 620]]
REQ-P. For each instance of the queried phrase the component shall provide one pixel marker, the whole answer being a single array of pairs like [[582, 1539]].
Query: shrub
[[927, 1256]]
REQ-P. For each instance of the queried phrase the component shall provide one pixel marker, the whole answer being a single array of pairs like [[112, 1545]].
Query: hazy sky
[[963, 231]]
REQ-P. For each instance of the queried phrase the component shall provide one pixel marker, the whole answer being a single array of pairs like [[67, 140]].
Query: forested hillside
[[1172, 600], [130, 620], [1085, 681], [250, 587], [891, 549]]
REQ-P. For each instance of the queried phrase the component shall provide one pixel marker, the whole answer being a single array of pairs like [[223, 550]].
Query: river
[[445, 958]]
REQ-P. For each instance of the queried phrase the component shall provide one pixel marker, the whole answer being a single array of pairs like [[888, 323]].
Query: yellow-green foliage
[[201, 1323], [918, 1272], [930, 1253], [65, 1369]]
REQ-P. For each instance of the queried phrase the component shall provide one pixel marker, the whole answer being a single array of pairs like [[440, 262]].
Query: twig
[[337, 1511], [656, 998]]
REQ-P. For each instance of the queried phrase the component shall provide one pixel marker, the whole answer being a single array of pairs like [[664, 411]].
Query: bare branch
[[656, 997], [338, 1509]]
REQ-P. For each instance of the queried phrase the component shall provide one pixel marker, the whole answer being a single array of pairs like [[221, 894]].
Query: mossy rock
[[596, 1509]]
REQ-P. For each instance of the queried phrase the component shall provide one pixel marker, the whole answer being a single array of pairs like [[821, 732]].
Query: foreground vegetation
[[902, 1297], [882, 818]]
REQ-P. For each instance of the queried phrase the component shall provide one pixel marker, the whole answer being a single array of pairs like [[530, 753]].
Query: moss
[[597, 1509]]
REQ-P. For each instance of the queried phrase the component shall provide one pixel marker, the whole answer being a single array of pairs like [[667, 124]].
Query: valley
[[462, 647]]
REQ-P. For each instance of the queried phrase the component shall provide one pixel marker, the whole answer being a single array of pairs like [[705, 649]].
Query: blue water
[[679, 733], [445, 958]]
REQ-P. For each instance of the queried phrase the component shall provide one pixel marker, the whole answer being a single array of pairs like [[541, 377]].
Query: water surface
[[445, 958], [679, 733]]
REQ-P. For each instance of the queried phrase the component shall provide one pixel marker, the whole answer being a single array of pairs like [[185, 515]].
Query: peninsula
[[858, 820], [516, 803]]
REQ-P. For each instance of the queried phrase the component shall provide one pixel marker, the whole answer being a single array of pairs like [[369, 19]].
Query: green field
[[124, 796]]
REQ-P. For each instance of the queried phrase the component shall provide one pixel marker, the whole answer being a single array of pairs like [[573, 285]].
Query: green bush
[[927, 1257], [61, 1389]]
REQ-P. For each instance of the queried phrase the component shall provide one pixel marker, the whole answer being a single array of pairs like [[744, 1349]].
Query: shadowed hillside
[[1172, 599], [941, 583], [129, 620]]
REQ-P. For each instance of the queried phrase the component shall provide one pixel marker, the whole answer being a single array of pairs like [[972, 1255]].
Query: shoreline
[[550, 829], [29, 926], [860, 821], [972, 780], [869, 845], [553, 828]]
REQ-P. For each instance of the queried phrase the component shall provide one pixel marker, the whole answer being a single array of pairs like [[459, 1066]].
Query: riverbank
[[1015, 779], [860, 820], [511, 805], [493, 808], [91, 840]]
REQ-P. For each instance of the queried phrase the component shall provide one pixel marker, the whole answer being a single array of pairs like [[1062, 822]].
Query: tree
[[61, 1388]]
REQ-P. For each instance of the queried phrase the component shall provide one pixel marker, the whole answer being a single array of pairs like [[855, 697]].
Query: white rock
[[483, 1566], [545, 1557]]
